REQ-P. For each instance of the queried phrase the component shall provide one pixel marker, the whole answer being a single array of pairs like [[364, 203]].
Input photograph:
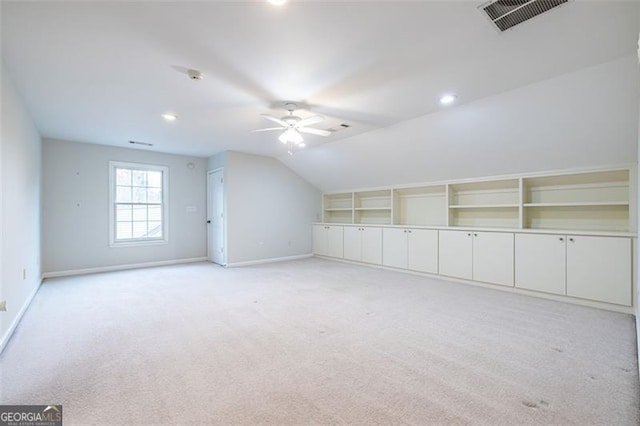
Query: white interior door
[[215, 214]]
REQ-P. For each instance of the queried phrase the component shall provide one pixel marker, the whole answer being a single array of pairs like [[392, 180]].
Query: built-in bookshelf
[[599, 200], [582, 201], [423, 205], [373, 207], [338, 208], [485, 204]]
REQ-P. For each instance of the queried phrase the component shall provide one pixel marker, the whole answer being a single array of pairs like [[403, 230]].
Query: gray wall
[[20, 148], [76, 207], [269, 208]]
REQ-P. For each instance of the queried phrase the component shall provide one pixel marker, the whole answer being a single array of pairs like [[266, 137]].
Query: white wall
[[20, 213], [269, 208], [582, 119], [76, 207]]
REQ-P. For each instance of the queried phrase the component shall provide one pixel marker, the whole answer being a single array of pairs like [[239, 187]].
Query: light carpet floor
[[315, 342]]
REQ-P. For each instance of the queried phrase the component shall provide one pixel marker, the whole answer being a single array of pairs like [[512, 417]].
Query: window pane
[[139, 213], [155, 229], [123, 213], [154, 195], [123, 177], [139, 229], [123, 230], [155, 213], [154, 179], [123, 194], [139, 195], [139, 178]]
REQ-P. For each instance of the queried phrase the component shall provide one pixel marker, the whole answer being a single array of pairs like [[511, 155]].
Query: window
[[138, 204]]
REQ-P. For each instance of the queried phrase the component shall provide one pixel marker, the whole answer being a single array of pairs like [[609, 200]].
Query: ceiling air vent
[[506, 14]]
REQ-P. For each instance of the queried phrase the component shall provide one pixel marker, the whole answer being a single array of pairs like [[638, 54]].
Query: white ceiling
[[103, 72]]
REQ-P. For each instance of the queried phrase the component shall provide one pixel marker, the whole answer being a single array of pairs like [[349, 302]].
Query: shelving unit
[[373, 207], [486, 204], [597, 201], [425, 205], [338, 208]]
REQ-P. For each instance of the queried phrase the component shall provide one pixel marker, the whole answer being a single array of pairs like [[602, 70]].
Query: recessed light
[[447, 99], [169, 116], [277, 2]]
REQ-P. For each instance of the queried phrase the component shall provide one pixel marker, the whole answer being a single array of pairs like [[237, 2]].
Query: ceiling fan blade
[[310, 120], [275, 119], [313, 131], [270, 128]]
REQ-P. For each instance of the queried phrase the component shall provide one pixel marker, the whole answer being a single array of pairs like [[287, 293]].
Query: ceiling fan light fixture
[[291, 135]]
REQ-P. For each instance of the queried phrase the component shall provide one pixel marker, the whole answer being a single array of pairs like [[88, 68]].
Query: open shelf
[[373, 216], [592, 201], [487, 206], [485, 193], [482, 217], [578, 217], [594, 187]]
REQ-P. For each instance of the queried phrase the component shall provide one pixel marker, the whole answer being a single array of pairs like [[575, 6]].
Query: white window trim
[[165, 205]]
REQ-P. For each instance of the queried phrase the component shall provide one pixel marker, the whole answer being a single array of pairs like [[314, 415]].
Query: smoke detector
[[195, 74]]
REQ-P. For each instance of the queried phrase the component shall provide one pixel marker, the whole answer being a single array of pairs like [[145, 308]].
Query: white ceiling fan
[[293, 126]]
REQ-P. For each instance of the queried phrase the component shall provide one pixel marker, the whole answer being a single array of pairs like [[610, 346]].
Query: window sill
[[137, 243]]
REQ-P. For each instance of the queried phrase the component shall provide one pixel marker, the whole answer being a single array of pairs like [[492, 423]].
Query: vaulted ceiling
[[104, 72]]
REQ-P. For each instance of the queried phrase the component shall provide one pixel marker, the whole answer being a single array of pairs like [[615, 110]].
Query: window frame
[[113, 241]]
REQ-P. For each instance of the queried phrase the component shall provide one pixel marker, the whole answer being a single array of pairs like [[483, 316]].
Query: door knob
[[208, 221]]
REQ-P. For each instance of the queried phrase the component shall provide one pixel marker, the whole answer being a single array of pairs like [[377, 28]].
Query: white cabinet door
[[335, 243], [540, 262], [493, 257], [352, 243], [455, 254], [320, 240], [422, 250], [599, 268], [394, 247], [371, 245]]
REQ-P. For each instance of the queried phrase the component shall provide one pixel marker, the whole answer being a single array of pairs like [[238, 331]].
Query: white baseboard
[[121, 267], [7, 335], [270, 260]]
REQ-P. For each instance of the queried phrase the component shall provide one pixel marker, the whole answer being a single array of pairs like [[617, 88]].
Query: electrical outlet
[[3, 305]]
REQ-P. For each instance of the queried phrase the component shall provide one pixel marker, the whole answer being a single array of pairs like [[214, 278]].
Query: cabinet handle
[[409, 231], [469, 234], [405, 231], [571, 239], [561, 239], [475, 235]]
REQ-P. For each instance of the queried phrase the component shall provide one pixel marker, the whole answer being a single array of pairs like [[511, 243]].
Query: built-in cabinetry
[[363, 244], [478, 256], [565, 233], [600, 200], [587, 267], [413, 249], [328, 240]]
